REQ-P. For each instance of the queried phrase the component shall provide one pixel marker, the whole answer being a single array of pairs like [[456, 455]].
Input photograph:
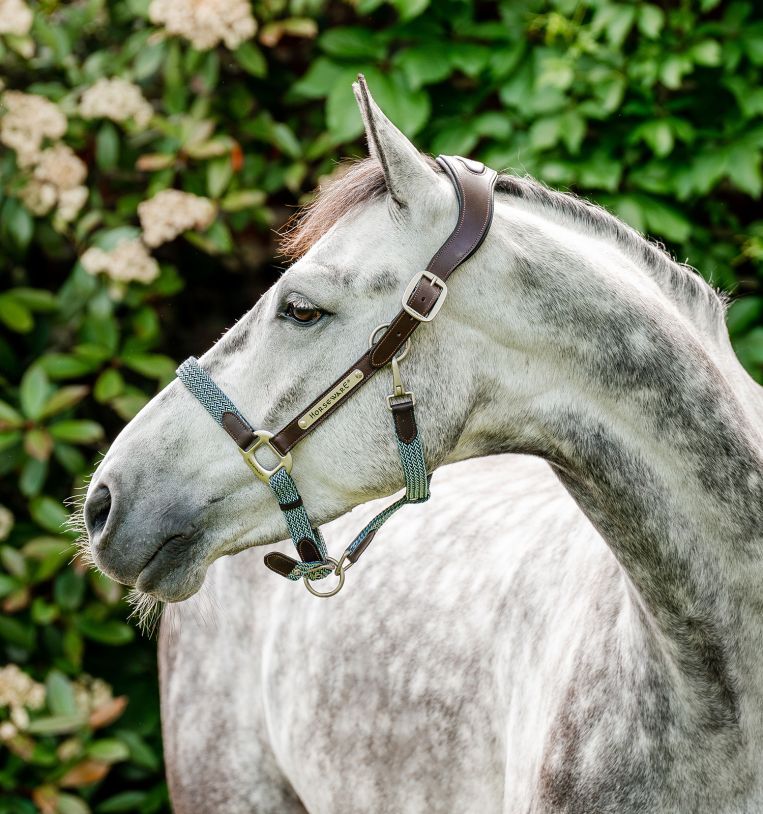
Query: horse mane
[[360, 181]]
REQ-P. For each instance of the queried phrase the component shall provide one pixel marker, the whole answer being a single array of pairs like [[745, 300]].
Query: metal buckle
[[263, 440], [436, 281]]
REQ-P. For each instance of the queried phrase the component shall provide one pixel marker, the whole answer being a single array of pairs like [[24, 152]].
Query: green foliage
[[654, 110]]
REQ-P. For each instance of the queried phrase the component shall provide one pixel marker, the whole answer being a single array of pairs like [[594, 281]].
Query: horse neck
[[648, 420]]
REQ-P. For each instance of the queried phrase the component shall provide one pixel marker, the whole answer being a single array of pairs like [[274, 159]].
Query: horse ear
[[405, 168]]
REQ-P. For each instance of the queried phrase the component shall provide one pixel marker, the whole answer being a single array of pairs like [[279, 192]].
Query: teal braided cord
[[416, 488], [298, 523], [201, 385], [414, 470]]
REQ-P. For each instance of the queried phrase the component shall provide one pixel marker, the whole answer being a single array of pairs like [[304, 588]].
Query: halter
[[421, 302]]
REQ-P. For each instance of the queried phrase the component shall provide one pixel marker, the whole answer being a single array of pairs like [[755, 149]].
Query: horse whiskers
[[146, 611]]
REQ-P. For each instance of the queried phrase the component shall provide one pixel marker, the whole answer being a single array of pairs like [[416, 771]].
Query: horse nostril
[[97, 507]]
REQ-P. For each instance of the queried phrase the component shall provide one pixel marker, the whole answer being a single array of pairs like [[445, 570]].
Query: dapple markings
[[580, 637]]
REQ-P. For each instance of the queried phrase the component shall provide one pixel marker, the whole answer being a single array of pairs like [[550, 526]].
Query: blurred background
[[149, 151]]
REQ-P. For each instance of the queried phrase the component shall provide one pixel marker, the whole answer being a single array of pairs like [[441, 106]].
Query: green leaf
[[9, 417], [16, 224], [14, 562], [33, 475], [48, 514], [127, 406], [322, 75], [35, 299], [66, 366], [77, 431], [243, 199], [152, 365], [69, 590], [107, 146], [743, 169], [219, 174], [545, 133], [60, 694], [38, 443], [109, 631], [108, 750], [651, 19], [743, 314], [408, 9], [63, 399], [250, 58], [8, 585], [18, 633], [15, 315], [69, 804], [108, 385], [351, 43], [57, 724], [424, 64], [125, 801], [34, 392], [707, 52]]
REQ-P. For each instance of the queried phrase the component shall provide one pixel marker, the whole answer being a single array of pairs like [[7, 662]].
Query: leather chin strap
[[423, 297]]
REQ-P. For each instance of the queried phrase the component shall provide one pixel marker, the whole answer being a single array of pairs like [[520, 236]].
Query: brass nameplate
[[331, 400]]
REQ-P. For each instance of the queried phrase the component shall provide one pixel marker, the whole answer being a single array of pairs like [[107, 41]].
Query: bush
[[146, 158]]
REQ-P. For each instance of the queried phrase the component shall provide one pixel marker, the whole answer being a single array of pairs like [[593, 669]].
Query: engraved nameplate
[[331, 400]]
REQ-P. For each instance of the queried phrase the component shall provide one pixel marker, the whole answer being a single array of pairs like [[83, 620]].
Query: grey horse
[[575, 629]]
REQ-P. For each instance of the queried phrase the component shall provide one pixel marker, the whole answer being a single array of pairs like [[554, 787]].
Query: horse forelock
[[354, 183]]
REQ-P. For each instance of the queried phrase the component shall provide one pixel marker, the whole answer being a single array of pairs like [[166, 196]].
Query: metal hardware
[[321, 566], [398, 390], [331, 400], [436, 281], [263, 440]]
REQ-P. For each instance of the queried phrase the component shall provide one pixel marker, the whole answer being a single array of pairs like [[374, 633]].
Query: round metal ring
[[330, 561], [372, 341]]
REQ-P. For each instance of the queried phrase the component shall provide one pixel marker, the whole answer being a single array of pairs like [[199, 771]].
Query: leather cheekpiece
[[474, 184]]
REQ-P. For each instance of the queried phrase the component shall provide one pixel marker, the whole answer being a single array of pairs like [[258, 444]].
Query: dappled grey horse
[[578, 631]]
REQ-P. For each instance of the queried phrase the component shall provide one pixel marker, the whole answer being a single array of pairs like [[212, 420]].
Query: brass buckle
[[436, 281], [263, 440]]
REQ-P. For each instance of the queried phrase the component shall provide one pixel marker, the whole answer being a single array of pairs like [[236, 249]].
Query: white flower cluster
[[15, 17], [19, 692], [116, 99], [91, 693], [128, 261], [57, 182], [28, 119], [55, 174], [205, 22], [172, 212]]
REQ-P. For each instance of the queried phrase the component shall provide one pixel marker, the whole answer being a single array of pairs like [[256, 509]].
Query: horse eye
[[305, 316]]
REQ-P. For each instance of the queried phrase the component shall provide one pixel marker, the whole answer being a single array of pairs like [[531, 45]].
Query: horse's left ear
[[405, 168]]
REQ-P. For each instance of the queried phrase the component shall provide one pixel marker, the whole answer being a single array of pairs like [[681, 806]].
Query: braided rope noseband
[[422, 300]]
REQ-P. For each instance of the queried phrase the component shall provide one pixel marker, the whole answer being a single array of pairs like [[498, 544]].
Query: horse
[[571, 624]]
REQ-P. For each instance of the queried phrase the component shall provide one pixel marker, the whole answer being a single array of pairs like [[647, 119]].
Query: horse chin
[[170, 578]]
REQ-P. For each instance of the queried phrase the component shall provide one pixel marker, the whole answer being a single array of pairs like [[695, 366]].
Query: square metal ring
[[438, 283], [263, 440]]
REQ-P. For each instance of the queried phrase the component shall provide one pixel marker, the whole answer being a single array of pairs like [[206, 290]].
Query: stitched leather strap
[[473, 183]]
